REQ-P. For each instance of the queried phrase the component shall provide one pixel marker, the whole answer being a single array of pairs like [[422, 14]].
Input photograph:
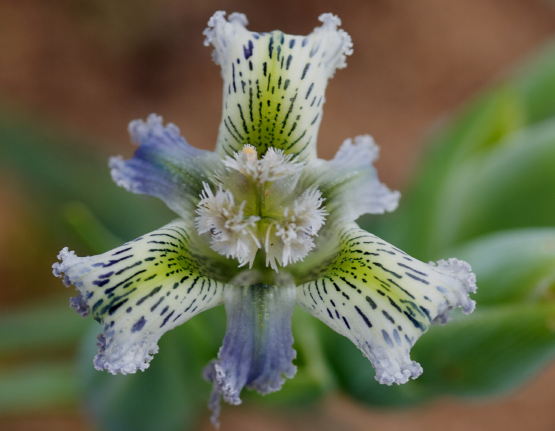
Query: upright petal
[[274, 83], [383, 300], [257, 352], [164, 165], [139, 291]]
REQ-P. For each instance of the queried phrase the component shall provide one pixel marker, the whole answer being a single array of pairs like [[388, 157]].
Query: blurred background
[[461, 97]]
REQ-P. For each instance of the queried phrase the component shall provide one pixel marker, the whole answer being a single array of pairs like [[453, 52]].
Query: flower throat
[[258, 204]]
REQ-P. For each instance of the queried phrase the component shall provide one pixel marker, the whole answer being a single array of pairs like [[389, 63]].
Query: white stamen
[[291, 239], [273, 166], [289, 235], [232, 234]]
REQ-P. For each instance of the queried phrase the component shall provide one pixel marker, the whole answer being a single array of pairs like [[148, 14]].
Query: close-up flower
[[262, 225]]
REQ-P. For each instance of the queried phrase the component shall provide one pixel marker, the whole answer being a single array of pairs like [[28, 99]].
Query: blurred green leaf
[[93, 233], [39, 326], [513, 266], [58, 170], [480, 130], [512, 186], [34, 387], [486, 353], [490, 352]]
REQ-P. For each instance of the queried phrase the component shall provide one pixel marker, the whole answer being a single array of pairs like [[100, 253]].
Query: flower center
[[258, 204]]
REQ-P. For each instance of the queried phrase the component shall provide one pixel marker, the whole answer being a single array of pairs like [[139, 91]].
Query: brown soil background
[[90, 66]]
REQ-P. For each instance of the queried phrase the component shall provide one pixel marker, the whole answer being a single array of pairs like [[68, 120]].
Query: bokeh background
[[455, 76]]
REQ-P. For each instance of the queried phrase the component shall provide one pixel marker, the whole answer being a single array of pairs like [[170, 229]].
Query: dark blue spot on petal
[[138, 325]]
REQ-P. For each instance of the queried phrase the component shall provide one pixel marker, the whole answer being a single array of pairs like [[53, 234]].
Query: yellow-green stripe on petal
[[383, 300], [139, 291], [274, 83]]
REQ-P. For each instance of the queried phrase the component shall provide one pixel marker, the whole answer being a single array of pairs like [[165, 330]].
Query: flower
[[263, 225]]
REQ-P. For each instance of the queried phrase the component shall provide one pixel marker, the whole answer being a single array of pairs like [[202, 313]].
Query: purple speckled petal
[[257, 351], [139, 291], [383, 300], [274, 83], [79, 304], [164, 165]]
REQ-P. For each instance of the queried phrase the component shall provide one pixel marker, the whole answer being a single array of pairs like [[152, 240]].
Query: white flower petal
[[383, 300], [274, 83], [139, 291], [350, 182]]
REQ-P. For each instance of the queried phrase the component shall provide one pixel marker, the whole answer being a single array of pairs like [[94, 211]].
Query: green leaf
[[536, 84], [483, 127], [57, 170], [50, 325], [513, 186], [35, 387], [492, 351], [515, 266], [93, 233], [486, 353]]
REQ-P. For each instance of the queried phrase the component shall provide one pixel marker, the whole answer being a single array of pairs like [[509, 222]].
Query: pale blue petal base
[[164, 165], [257, 351]]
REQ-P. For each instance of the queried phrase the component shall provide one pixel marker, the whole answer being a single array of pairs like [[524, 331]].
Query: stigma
[[273, 166], [258, 206]]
